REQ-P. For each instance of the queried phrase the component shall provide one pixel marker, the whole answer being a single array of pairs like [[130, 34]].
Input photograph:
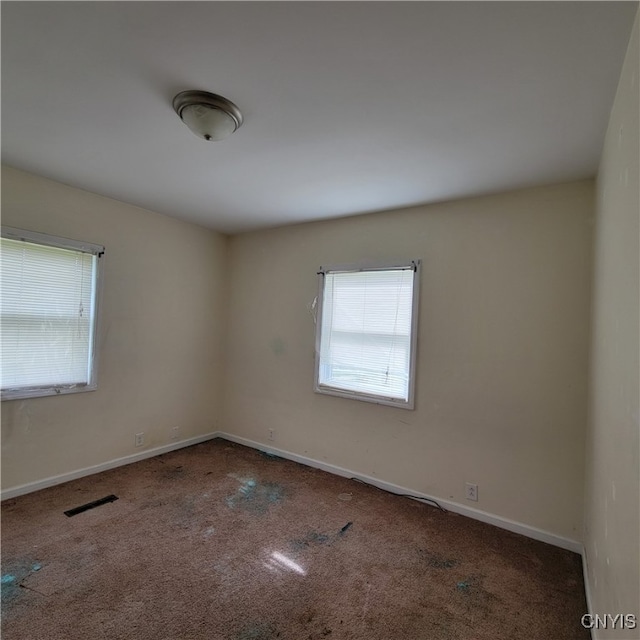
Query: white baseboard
[[476, 514], [105, 466], [587, 591]]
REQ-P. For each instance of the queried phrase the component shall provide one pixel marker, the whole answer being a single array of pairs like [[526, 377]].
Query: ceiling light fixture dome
[[208, 115]]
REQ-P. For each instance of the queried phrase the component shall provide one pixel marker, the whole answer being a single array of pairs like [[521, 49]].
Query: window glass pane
[[365, 332], [48, 299]]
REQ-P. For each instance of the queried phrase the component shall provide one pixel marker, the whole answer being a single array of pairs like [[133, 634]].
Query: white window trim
[[17, 393], [415, 305]]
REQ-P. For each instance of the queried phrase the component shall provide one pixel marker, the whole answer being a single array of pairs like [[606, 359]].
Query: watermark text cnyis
[[609, 621]]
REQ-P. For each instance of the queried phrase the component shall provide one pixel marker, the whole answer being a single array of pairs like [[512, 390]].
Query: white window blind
[[366, 332], [48, 318]]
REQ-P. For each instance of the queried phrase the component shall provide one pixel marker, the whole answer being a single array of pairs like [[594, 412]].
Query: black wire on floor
[[402, 495]]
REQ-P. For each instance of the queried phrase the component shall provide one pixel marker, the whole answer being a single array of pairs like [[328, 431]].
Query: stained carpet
[[221, 542]]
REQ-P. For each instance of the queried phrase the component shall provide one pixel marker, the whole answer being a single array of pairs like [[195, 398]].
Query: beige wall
[[160, 336], [612, 523], [502, 356]]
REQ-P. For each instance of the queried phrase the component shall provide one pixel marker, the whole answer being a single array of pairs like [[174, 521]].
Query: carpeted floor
[[221, 542]]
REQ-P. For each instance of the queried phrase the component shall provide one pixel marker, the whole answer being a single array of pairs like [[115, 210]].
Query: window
[[49, 312], [366, 333]]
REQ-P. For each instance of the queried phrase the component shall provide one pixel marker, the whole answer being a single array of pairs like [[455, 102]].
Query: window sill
[[355, 395], [42, 392]]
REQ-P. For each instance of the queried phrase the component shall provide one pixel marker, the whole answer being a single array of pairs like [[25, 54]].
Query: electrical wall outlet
[[139, 439], [471, 491], [175, 433], [272, 434]]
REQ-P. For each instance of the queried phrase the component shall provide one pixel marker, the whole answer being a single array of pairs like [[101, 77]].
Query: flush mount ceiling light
[[208, 115]]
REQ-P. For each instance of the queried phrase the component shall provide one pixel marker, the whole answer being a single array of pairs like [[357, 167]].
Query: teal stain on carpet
[[258, 632], [14, 572], [255, 496]]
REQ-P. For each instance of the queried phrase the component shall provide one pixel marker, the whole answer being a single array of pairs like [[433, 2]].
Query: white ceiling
[[349, 107]]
